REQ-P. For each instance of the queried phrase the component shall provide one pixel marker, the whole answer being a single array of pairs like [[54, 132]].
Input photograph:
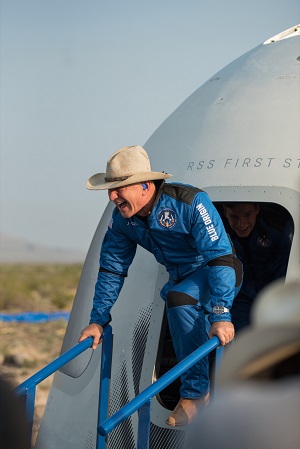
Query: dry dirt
[[25, 348]]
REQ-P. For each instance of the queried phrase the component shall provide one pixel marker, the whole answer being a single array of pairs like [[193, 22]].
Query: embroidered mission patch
[[166, 218], [264, 241]]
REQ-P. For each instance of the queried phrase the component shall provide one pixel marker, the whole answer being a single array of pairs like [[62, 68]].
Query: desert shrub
[[43, 287]]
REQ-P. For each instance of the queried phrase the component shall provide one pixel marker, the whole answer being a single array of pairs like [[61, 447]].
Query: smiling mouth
[[121, 205], [242, 231]]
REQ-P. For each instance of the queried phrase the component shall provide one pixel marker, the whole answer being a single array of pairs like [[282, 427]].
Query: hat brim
[[255, 350], [97, 181]]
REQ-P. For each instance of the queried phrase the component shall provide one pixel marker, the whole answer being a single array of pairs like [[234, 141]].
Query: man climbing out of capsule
[[263, 245], [180, 226]]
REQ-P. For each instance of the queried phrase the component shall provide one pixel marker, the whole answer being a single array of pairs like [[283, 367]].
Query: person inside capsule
[[180, 226], [262, 239]]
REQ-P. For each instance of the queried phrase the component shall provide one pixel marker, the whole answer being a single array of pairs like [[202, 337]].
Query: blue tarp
[[34, 317]]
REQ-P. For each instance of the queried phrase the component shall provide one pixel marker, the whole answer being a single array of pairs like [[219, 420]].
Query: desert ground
[[25, 348]]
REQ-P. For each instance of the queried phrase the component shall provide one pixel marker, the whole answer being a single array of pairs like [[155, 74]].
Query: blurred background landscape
[[17, 250], [26, 347]]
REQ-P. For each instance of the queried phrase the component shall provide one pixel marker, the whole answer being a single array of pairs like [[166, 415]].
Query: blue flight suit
[[185, 233]]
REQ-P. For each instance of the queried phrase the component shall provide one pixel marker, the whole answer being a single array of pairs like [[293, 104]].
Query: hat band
[[121, 178]]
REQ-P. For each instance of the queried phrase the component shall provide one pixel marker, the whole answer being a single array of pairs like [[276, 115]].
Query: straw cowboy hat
[[273, 337], [128, 165]]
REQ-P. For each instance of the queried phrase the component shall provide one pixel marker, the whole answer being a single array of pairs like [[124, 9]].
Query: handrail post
[[29, 407], [105, 376], [144, 426], [219, 356]]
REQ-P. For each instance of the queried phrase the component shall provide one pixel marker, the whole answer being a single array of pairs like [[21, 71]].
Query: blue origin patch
[[110, 223], [166, 218], [207, 222]]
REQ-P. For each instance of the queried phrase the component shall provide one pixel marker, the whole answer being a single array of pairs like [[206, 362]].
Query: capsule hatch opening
[[166, 359]]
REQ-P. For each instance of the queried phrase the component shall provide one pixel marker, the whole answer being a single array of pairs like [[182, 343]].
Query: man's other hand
[[224, 330]]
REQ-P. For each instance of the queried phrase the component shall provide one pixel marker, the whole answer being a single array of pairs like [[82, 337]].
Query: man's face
[[242, 218], [129, 199]]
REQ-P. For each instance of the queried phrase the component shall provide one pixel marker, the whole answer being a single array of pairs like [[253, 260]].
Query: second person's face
[[242, 218]]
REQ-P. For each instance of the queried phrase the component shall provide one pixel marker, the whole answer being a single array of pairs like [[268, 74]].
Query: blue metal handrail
[[143, 400], [27, 389], [53, 366]]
